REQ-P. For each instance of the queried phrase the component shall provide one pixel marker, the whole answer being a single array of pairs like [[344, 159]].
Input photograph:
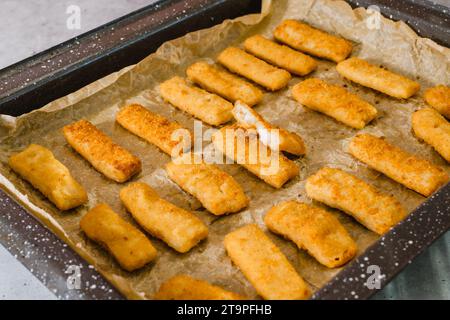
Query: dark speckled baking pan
[[129, 39]]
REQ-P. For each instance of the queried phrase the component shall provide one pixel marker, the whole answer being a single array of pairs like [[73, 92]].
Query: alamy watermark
[[373, 282], [73, 281]]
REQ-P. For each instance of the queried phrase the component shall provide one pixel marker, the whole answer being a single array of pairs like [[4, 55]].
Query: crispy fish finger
[[314, 230], [318, 43], [264, 265], [246, 149], [431, 127], [217, 191], [374, 77], [184, 287], [335, 102], [246, 65], [102, 153], [415, 173], [208, 107], [126, 243], [280, 56], [39, 167], [153, 128], [223, 83], [287, 141], [338, 189], [179, 228], [439, 98]]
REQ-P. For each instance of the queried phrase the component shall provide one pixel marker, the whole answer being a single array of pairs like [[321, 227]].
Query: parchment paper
[[393, 45]]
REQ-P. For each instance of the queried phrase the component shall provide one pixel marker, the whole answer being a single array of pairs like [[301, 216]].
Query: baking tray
[[73, 64]]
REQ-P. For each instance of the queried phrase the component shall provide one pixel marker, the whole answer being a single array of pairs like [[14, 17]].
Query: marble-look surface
[[30, 26]]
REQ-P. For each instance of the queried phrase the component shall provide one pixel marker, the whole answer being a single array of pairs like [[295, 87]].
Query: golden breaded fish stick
[[431, 127], [415, 173], [338, 189], [102, 153], [153, 128], [374, 77], [39, 167], [208, 107], [217, 191], [184, 287], [287, 141], [318, 43], [179, 228], [126, 243], [280, 56], [264, 265], [335, 102], [314, 230], [246, 65], [247, 150], [439, 98], [223, 83]]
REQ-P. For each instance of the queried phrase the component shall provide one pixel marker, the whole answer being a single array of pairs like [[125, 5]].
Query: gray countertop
[[31, 26]]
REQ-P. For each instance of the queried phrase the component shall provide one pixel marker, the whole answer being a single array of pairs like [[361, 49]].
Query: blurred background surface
[[31, 26]]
